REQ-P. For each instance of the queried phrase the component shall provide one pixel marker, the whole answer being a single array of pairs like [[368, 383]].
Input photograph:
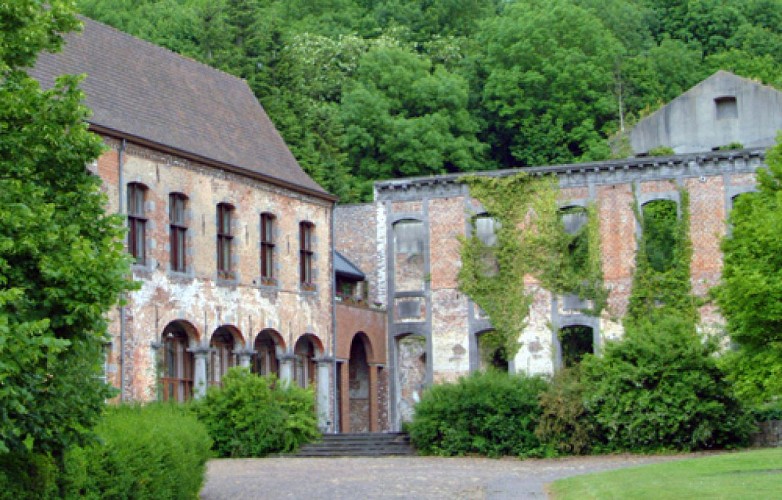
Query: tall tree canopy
[[62, 264], [548, 81]]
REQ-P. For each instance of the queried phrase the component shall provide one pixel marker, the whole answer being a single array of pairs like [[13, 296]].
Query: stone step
[[358, 445]]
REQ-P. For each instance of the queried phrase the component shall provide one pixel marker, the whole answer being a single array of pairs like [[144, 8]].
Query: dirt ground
[[400, 477]]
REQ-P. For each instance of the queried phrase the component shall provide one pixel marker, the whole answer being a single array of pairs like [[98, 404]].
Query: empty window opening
[[178, 231], [491, 355], [265, 360], [575, 342], [661, 239], [727, 107]]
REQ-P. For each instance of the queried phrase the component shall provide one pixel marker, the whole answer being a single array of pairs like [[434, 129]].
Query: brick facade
[[449, 324]]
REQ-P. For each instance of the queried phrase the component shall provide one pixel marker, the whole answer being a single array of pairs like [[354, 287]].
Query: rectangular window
[[224, 240], [267, 248], [306, 230], [137, 222], [178, 230]]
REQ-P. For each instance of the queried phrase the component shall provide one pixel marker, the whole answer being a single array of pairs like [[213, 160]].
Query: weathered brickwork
[[198, 297], [363, 385], [442, 339]]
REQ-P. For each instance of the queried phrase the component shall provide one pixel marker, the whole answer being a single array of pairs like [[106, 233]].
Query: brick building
[[231, 238], [406, 242]]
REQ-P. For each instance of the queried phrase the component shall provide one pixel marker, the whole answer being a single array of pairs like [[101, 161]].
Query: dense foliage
[[153, 451], [62, 265], [660, 388], [368, 89], [750, 293], [491, 413], [494, 275], [252, 416]]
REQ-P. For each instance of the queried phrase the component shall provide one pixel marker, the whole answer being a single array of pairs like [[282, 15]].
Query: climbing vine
[[530, 240], [661, 283]]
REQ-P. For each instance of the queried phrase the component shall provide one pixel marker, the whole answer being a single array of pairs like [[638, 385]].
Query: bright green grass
[[748, 474]]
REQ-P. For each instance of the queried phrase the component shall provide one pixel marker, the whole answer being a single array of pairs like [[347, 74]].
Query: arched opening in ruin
[[490, 355], [575, 341], [305, 351], [222, 355], [411, 368], [268, 345], [178, 362], [358, 383]]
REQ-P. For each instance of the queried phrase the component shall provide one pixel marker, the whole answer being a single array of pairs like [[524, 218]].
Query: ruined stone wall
[[197, 296], [443, 333]]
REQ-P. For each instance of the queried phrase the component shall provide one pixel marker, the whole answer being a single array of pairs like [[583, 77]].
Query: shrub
[[565, 425], [152, 451], [27, 475], [252, 416], [489, 413], [660, 388]]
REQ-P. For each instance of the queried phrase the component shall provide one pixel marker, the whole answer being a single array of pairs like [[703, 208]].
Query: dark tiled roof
[[143, 91], [343, 267]]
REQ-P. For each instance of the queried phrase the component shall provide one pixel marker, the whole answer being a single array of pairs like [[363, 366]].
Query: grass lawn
[[747, 474]]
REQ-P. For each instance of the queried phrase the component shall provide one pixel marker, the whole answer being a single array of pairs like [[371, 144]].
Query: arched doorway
[[305, 351], [575, 342], [358, 383], [178, 363], [267, 345], [221, 354]]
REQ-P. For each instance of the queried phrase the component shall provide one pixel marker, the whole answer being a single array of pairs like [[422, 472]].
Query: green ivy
[[661, 283], [530, 241]]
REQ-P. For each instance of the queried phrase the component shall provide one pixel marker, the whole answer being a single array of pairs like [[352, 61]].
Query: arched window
[[221, 355], [305, 370], [137, 222], [177, 231], [265, 360], [177, 379]]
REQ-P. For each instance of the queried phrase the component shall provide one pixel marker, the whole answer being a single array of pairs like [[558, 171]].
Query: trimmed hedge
[[253, 416], [489, 413], [152, 451]]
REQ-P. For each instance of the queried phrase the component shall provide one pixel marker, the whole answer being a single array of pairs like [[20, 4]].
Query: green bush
[[252, 416], [489, 413], [27, 475], [660, 388], [565, 426], [153, 451]]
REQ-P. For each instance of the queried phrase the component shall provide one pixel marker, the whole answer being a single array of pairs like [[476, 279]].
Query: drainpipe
[[333, 281], [122, 318]]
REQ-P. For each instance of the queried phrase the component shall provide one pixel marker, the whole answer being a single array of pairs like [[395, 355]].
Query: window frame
[[136, 196], [267, 248], [224, 239], [177, 206], [306, 255]]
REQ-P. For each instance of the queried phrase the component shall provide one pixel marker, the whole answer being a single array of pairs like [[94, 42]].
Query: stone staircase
[[378, 444]]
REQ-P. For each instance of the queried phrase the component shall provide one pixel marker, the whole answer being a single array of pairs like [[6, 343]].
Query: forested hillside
[[375, 89]]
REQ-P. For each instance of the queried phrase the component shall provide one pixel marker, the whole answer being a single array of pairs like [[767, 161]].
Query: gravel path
[[400, 477]]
